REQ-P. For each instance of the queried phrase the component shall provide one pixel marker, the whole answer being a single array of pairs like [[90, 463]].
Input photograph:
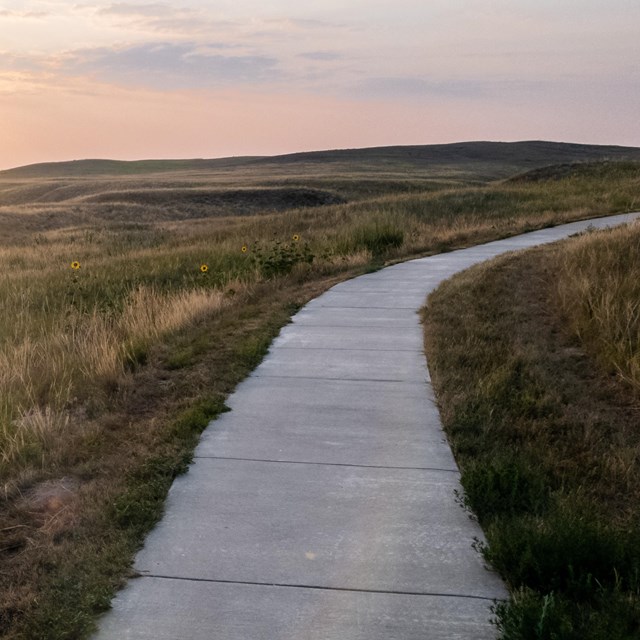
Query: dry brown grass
[[599, 289], [79, 354]]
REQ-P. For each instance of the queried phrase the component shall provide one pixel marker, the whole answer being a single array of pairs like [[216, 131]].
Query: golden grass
[[599, 289], [80, 354]]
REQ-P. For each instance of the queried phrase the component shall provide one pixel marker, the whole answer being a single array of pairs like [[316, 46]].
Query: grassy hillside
[[31, 205], [133, 304], [535, 361], [85, 168], [482, 160]]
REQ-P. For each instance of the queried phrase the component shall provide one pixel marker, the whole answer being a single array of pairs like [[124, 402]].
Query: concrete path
[[322, 507]]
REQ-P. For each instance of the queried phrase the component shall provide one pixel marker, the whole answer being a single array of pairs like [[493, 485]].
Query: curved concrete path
[[322, 507]]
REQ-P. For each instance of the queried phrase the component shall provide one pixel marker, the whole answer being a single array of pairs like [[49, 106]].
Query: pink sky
[[131, 80]]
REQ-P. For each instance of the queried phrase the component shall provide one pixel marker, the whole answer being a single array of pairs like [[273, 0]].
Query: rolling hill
[[482, 160]]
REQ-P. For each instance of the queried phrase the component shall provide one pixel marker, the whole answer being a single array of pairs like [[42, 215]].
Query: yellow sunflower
[[75, 265], [204, 268], [296, 237], [244, 248]]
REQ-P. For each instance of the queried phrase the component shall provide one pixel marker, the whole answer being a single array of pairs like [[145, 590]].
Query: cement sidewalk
[[322, 507]]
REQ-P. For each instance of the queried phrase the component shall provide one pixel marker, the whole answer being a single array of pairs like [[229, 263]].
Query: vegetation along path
[[324, 504]]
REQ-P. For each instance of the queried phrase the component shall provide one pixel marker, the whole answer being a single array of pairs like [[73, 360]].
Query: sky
[[206, 79]]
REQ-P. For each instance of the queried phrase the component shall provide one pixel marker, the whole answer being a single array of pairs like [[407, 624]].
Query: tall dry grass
[[44, 373], [599, 289]]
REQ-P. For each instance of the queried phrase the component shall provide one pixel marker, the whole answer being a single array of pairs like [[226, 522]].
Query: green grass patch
[[378, 236]]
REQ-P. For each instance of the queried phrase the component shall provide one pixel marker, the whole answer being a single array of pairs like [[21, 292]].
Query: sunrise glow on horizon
[[134, 80]]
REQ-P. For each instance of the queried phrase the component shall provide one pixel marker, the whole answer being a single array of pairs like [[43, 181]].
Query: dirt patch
[[49, 497]]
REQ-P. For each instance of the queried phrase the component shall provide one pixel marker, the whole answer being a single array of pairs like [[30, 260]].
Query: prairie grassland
[[108, 372], [68, 336], [522, 352]]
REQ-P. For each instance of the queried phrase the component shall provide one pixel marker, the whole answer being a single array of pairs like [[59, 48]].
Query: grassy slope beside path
[[545, 427], [68, 542]]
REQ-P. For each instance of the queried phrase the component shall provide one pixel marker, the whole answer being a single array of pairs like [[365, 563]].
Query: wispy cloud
[[5, 13], [407, 86], [21, 63], [170, 65], [130, 9], [321, 55], [165, 19], [470, 90]]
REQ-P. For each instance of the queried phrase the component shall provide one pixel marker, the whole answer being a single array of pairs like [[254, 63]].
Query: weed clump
[[279, 258]]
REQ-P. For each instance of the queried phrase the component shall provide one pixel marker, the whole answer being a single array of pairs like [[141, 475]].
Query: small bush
[[531, 616]]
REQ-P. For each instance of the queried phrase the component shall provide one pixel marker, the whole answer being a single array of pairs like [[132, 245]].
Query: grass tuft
[[378, 237]]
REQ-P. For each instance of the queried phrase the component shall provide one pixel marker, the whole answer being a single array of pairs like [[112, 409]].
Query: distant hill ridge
[[517, 155]]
